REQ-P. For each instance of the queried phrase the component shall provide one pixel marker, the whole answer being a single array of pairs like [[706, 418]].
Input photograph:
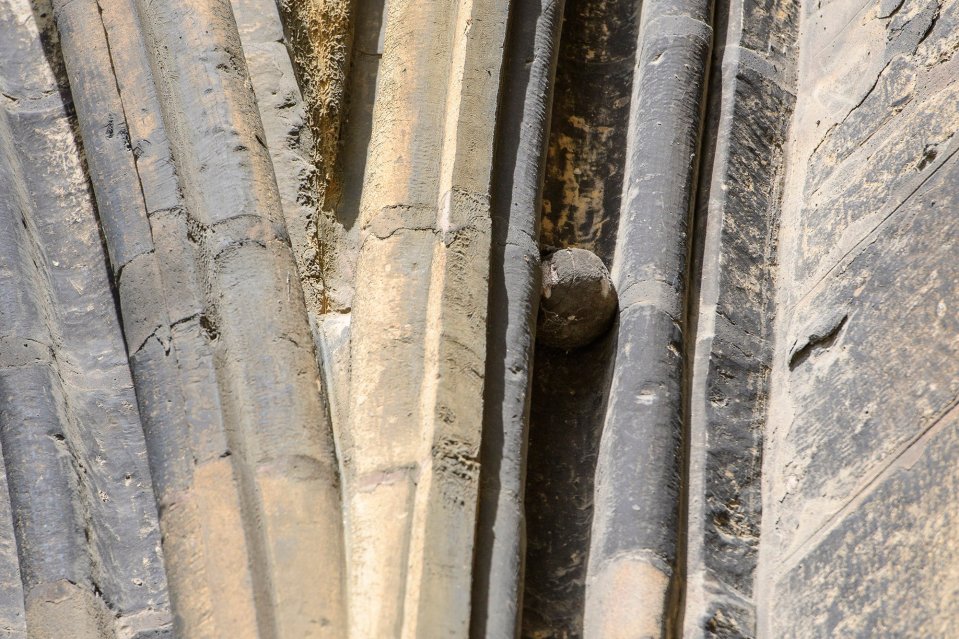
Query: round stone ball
[[578, 300]]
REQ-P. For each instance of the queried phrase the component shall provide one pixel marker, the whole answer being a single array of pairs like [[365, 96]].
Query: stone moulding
[[376, 319]]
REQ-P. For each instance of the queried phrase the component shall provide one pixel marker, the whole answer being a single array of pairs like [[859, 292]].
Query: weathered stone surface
[[737, 230], [568, 402], [514, 292], [80, 494], [320, 37], [269, 286], [582, 191], [578, 299], [635, 537], [583, 185], [418, 336], [864, 377], [887, 565]]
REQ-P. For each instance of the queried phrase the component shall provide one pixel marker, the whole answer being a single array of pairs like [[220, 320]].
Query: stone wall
[[858, 538]]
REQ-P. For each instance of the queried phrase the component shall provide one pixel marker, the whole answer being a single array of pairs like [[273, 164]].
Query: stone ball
[[578, 300]]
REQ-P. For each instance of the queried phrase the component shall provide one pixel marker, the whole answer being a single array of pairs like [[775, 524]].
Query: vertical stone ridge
[[284, 455], [39, 434], [737, 225], [582, 191], [143, 222], [299, 55], [73, 440], [244, 466], [516, 200], [418, 337], [321, 242], [636, 522]]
